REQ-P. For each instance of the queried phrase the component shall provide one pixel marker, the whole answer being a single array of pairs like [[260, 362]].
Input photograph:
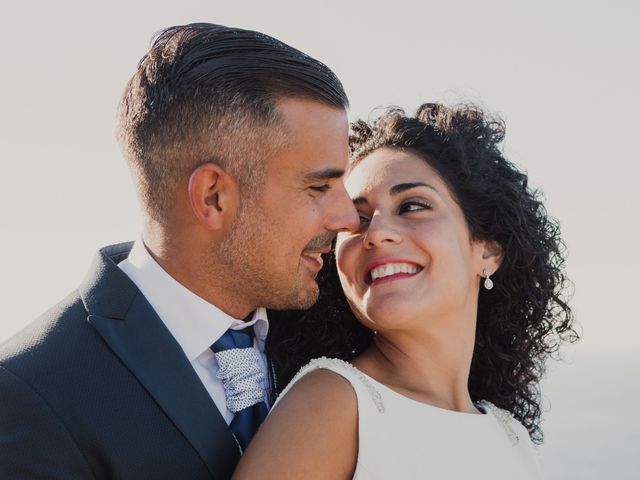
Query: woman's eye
[[414, 206], [363, 218]]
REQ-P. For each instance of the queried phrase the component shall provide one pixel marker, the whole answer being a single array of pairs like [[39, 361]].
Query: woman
[[457, 270]]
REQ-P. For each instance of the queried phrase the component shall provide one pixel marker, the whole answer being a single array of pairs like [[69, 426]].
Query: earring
[[488, 283]]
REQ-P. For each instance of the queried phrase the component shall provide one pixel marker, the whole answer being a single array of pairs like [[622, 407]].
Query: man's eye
[[414, 206], [320, 188], [363, 218]]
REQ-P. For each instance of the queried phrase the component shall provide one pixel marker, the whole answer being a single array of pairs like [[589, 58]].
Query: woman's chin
[[389, 314]]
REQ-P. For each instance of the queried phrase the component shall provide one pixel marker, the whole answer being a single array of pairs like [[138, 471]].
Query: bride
[[457, 270]]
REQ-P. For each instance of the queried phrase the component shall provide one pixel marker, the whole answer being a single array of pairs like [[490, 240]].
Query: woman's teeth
[[389, 269]]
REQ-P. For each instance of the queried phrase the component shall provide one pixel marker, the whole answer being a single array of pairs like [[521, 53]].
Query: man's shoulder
[[45, 332], [60, 358], [66, 322]]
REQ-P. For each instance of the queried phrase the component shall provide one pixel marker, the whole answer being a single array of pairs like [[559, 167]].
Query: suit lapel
[[135, 333]]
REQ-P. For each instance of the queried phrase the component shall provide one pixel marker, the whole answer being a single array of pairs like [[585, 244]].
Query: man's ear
[[492, 255], [214, 195]]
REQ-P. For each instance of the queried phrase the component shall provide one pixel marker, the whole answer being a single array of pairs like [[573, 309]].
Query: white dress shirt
[[195, 323]]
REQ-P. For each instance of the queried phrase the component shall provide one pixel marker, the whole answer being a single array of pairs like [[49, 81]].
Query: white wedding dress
[[401, 438]]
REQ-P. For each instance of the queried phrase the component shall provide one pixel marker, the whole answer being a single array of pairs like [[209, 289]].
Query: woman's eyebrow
[[401, 187], [396, 189]]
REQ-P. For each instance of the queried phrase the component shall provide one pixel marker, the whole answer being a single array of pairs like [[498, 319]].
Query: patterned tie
[[242, 378]]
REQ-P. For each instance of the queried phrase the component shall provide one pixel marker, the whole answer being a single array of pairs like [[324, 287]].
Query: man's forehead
[[316, 147]]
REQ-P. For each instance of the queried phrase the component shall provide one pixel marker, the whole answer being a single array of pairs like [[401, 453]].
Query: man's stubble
[[247, 251]]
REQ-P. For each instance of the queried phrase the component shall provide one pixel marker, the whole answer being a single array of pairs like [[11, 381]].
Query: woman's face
[[413, 257]]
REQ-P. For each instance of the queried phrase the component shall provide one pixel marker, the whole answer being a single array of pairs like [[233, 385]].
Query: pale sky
[[564, 76]]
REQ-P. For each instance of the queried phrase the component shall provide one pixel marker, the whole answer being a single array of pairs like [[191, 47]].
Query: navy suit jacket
[[97, 388]]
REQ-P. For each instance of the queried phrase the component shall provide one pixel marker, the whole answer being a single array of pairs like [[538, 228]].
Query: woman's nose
[[380, 231]]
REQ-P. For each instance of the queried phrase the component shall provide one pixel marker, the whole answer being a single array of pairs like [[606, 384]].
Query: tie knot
[[234, 339]]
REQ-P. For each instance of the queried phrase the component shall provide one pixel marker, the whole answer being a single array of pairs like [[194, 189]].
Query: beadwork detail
[[327, 363], [504, 417]]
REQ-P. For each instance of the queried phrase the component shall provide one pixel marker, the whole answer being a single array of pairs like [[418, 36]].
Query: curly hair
[[523, 320]]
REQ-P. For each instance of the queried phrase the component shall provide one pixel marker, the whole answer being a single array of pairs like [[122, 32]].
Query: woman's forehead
[[386, 167]]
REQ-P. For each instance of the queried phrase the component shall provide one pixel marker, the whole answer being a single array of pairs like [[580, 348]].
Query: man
[[155, 367]]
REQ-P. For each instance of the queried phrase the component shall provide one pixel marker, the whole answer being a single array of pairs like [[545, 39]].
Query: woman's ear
[[214, 196], [492, 256]]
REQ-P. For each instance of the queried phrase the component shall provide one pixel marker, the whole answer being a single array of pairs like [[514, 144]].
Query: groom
[[155, 367]]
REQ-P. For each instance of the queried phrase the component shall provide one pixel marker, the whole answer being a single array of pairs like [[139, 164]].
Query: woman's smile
[[389, 270]]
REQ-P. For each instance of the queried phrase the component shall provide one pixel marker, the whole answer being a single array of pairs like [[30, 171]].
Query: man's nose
[[344, 216]]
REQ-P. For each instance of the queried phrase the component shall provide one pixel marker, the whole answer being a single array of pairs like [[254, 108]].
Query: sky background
[[564, 75]]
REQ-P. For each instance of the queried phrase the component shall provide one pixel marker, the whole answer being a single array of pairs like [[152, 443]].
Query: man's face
[[276, 242]]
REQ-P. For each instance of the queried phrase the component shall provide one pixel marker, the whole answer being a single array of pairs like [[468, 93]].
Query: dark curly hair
[[522, 321]]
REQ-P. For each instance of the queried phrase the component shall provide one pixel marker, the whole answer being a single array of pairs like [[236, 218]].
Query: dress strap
[[344, 369]]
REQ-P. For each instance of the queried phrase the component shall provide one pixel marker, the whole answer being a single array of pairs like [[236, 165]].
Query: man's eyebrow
[[325, 174], [401, 187]]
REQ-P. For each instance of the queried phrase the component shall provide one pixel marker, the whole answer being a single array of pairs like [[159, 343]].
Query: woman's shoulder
[[322, 380], [315, 418], [515, 431], [335, 374]]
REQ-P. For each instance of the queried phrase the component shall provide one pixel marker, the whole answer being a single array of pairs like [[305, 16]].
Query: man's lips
[[314, 257], [389, 269]]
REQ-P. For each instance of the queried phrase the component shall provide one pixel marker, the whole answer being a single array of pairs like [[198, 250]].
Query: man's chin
[[301, 299], [310, 299]]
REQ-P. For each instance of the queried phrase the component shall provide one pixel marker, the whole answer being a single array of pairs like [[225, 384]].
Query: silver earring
[[488, 283]]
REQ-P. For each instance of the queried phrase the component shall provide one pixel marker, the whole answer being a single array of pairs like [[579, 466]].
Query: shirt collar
[[195, 323], [260, 324]]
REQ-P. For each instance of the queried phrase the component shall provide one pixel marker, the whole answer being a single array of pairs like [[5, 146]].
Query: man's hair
[[207, 93]]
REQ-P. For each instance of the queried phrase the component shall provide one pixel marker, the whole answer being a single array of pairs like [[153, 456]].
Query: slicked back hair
[[208, 93]]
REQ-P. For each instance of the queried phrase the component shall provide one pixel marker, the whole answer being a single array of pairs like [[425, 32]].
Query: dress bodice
[[401, 438]]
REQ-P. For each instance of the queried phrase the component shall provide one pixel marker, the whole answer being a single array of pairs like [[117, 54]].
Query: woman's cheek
[[346, 259]]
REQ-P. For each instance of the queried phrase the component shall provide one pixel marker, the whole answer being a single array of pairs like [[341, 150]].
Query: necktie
[[242, 378]]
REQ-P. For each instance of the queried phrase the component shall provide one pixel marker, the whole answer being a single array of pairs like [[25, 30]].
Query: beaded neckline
[[504, 418]]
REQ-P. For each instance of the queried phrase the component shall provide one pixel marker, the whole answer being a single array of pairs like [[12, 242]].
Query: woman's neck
[[428, 366]]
